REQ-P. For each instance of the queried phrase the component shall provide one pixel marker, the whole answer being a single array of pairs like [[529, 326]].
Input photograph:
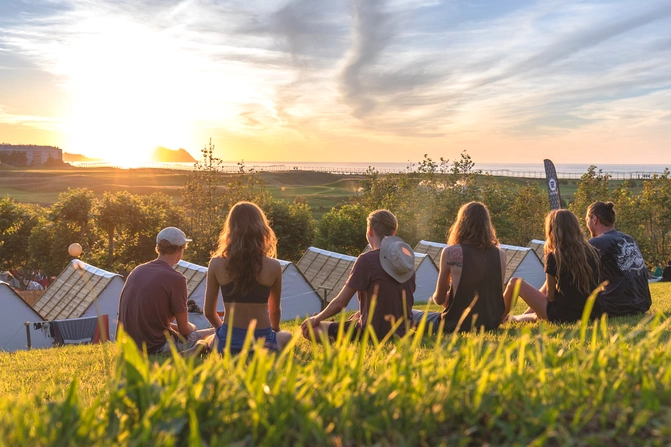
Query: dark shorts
[[560, 314], [238, 336], [333, 328]]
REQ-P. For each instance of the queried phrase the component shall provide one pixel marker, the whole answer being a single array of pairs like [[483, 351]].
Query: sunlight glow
[[140, 89]]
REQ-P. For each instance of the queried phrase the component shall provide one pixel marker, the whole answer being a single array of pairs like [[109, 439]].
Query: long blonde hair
[[564, 238], [473, 227], [245, 239]]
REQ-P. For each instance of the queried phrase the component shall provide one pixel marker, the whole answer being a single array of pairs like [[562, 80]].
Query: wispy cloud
[[312, 74]]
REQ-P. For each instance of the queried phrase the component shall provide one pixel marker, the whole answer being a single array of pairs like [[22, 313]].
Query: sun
[[128, 95]]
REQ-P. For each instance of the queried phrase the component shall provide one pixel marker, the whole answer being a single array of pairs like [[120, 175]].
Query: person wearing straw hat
[[385, 274], [155, 295]]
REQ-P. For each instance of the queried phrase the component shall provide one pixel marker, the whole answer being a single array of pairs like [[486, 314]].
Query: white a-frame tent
[[298, 299], [82, 290], [520, 261], [538, 247], [195, 285], [426, 276], [431, 249], [15, 313], [327, 272], [523, 263]]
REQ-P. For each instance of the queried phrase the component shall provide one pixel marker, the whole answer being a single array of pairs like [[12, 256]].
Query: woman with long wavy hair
[[470, 281], [572, 270], [250, 281]]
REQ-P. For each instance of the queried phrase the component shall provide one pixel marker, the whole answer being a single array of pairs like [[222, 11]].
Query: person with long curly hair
[[470, 280], [572, 270], [250, 279]]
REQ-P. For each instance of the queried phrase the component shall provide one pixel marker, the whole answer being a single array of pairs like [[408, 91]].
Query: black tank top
[[258, 295], [481, 274]]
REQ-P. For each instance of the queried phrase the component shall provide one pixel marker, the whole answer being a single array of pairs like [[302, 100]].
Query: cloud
[[372, 69]]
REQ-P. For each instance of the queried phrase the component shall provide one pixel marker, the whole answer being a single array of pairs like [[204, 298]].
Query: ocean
[[530, 170]]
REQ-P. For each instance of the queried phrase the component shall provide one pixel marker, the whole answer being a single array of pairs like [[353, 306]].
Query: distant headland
[[165, 155], [160, 154]]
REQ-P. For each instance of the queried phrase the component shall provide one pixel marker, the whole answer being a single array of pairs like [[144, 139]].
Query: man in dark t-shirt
[[385, 273], [155, 294], [627, 292]]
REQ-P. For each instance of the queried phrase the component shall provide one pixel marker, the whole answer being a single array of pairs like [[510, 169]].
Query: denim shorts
[[238, 338]]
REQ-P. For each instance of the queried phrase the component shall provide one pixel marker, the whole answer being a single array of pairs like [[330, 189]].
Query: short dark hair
[[166, 248], [603, 211]]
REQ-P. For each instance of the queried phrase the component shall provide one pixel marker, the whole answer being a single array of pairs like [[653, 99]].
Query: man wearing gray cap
[[155, 295], [386, 273]]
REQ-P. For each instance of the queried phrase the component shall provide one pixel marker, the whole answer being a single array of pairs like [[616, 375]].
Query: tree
[[208, 195], [294, 227], [655, 208], [131, 223], [69, 220], [14, 158], [17, 221], [592, 187], [343, 230], [527, 213]]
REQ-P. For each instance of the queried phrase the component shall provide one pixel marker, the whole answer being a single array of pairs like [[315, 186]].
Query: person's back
[[250, 282], [569, 301], [386, 272], [153, 293], [481, 276], [394, 300], [627, 291], [472, 265]]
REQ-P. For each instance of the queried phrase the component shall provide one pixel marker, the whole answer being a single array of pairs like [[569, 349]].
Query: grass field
[[603, 383], [322, 190]]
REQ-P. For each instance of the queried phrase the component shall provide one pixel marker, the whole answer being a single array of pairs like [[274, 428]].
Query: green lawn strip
[[521, 385]]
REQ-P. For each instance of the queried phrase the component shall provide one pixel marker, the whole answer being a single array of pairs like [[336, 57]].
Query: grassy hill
[[604, 383]]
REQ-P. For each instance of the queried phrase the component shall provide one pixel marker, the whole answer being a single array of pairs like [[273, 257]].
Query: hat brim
[[386, 263]]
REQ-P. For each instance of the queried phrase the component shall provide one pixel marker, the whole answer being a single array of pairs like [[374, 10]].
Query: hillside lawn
[[323, 191], [602, 383]]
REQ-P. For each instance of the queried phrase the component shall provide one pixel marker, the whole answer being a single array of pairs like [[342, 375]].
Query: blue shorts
[[238, 338]]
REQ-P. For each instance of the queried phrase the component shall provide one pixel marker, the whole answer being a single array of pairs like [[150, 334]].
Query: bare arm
[[183, 325], [212, 294], [551, 283], [336, 305], [504, 261], [274, 308], [450, 258]]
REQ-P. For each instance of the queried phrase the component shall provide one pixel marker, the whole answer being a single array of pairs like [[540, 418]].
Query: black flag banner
[[553, 185]]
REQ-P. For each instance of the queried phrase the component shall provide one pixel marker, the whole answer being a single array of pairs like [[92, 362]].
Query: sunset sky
[[358, 80]]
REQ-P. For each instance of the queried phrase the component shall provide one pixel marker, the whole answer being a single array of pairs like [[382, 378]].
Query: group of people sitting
[[470, 287]]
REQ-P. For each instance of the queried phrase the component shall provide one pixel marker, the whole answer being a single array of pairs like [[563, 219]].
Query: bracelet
[[274, 330]]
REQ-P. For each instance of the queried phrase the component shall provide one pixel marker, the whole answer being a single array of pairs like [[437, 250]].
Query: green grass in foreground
[[608, 382]]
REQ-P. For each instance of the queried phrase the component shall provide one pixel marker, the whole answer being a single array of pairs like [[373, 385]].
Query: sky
[[356, 80]]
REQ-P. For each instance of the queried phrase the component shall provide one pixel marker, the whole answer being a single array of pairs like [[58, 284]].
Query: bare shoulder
[[273, 265], [217, 262], [453, 255]]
